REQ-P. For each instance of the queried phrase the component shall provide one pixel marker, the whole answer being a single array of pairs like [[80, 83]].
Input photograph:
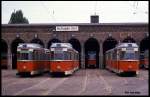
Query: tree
[[17, 18]]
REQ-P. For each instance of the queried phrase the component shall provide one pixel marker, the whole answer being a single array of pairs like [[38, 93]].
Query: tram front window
[[129, 55], [24, 56], [56, 55], [60, 55]]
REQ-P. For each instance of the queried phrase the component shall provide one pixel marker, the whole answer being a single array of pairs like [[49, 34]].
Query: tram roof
[[121, 45], [67, 45], [127, 45], [29, 45]]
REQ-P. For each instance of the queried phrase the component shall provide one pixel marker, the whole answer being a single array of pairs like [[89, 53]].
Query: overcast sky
[[77, 11]]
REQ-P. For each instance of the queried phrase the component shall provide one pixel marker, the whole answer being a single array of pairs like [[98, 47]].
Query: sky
[[77, 11]]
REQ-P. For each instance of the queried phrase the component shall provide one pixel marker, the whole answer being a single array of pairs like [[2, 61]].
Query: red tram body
[[64, 59], [32, 58], [123, 58]]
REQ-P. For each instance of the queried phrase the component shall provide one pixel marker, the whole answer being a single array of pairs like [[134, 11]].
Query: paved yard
[[83, 82]]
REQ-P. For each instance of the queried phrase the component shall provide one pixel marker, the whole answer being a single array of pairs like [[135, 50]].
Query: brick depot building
[[84, 37]]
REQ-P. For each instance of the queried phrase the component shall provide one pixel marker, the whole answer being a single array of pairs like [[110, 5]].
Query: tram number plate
[[58, 52], [24, 52], [130, 49], [58, 49]]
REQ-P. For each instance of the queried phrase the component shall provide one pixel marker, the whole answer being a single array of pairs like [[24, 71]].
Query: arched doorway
[[91, 46], [76, 45], [108, 44], [143, 46], [53, 41], [4, 48], [128, 40], [36, 40], [14, 45]]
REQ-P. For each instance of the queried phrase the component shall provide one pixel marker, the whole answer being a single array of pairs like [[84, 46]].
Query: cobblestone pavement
[[82, 82]]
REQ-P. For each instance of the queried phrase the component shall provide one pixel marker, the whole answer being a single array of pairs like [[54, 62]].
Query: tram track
[[33, 86], [108, 88]]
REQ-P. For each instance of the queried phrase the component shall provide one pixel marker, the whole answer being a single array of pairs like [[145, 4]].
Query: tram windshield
[[129, 55], [24, 56], [61, 55], [56, 55]]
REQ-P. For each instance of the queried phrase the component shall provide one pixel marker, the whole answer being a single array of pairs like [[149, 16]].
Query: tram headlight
[[24, 67], [58, 67], [130, 66]]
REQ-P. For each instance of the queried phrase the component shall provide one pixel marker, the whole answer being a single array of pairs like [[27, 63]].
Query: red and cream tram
[[91, 59], [32, 58], [64, 59], [123, 58]]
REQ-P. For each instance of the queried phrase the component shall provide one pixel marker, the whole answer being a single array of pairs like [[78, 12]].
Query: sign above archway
[[67, 28]]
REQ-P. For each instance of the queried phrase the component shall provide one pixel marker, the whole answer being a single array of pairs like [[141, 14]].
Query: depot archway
[[4, 48], [38, 41], [108, 44], [77, 46], [143, 46], [53, 41], [91, 46], [14, 51]]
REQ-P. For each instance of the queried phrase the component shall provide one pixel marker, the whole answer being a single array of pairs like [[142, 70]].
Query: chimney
[[94, 19]]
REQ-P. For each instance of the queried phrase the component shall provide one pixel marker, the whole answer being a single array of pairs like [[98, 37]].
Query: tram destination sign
[[67, 28]]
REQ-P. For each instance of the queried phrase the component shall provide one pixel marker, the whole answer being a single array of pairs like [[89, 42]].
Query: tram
[[123, 58], [91, 59], [32, 59], [64, 59]]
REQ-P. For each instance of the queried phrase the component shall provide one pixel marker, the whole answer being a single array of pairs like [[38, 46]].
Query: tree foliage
[[17, 18]]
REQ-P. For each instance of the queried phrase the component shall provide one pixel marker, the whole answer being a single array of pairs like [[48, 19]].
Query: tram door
[[91, 59]]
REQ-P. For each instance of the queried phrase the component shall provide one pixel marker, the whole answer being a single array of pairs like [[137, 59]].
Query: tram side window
[[66, 54], [77, 56], [36, 55], [115, 55], [30, 56], [52, 55], [72, 56], [46, 56], [69, 55], [42, 55]]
